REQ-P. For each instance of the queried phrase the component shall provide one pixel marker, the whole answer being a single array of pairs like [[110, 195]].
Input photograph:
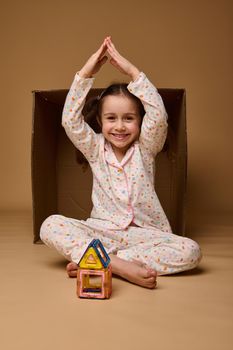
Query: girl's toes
[[150, 273], [71, 269], [153, 272], [151, 282], [71, 266]]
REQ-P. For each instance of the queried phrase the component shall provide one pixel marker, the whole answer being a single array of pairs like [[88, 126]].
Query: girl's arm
[[119, 62], [154, 125], [79, 132]]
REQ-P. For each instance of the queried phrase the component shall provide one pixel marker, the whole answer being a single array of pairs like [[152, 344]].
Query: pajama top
[[123, 192]]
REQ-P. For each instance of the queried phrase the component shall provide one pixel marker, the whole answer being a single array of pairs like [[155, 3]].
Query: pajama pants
[[165, 252]]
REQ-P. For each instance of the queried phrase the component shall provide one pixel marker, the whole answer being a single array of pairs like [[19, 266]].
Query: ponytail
[[91, 113]]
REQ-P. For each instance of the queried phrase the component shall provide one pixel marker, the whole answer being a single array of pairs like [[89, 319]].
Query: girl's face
[[120, 121]]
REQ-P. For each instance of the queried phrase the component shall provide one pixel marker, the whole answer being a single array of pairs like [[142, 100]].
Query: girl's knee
[[47, 226], [193, 253]]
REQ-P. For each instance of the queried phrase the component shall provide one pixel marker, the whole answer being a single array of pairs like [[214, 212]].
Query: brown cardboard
[[60, 185]]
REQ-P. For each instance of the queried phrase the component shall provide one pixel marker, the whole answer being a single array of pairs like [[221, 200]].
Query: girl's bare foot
[[133, 271]]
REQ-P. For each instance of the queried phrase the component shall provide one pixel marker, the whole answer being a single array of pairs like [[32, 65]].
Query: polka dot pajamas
[[127, 215], [165, 252]]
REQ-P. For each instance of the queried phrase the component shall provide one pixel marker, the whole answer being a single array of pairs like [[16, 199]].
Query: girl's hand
[[121, 63], [94, 63]]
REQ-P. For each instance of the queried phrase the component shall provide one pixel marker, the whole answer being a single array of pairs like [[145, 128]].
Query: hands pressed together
[[95, 62]]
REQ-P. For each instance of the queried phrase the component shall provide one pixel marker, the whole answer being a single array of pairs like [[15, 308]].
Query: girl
[[126, 216]]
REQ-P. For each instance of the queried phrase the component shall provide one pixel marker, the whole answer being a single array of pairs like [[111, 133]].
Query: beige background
[[179, 43]]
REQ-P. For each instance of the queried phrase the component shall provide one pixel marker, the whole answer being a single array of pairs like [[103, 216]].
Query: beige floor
[[39, 308]]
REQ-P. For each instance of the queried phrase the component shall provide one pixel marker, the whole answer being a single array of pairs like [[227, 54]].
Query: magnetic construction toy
[[94, 275]]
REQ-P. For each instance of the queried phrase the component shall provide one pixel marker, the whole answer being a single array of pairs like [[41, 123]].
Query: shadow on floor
[[197, 271], [58, 264]]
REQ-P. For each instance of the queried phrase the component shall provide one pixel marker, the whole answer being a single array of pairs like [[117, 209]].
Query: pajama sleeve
[[79, 132], [154, 126]]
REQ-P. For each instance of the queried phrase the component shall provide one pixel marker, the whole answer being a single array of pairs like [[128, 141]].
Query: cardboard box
[[60, 185]]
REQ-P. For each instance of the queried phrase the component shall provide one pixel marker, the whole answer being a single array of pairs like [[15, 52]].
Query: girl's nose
[[120, 125]]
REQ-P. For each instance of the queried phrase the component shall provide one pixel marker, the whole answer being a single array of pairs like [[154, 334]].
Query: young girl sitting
[[127, 216]]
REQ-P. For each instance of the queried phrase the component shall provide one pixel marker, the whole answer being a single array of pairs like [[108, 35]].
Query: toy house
[[94, 275]]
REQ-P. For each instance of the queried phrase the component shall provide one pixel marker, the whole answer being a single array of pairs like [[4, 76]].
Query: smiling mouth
[[120, 136]]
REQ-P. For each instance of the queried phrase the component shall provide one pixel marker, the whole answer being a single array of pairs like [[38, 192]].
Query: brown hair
[[93, 107]]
